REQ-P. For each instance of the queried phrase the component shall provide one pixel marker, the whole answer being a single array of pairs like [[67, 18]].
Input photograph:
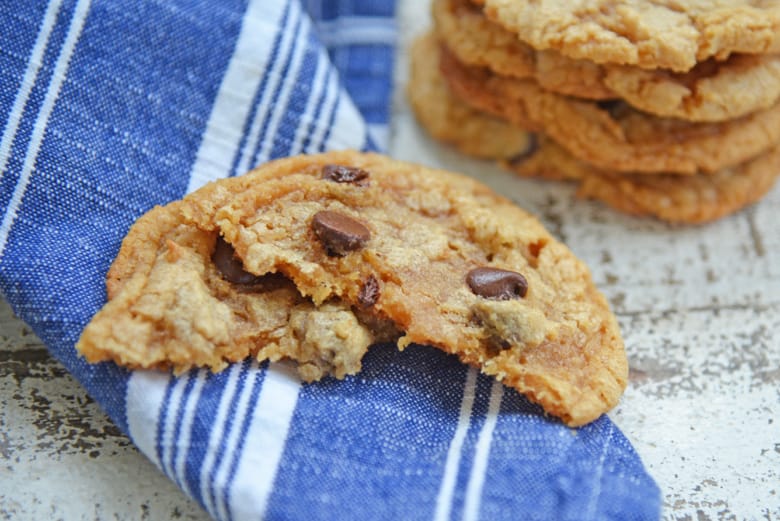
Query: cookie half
[[712, 91], [666, 34], [612, 135], [314, 258], [179, 298]]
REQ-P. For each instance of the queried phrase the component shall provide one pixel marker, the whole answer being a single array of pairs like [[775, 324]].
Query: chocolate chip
[[345, 174], [369, 292], [612, 106], [497, 284], [340, 234], [230, 266], [525, 155]]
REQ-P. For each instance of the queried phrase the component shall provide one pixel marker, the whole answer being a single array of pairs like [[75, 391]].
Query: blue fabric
[[108, 107]]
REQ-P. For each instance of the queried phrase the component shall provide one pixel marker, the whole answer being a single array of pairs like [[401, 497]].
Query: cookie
[[325, 254], [454, 123], [475, 40], [673, 198], [711, 91], [665, 34], [612, 135]]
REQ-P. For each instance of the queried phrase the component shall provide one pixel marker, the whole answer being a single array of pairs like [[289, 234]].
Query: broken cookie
[[315, 258]]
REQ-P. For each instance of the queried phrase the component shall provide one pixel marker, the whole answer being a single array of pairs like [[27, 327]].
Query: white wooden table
[[699, 309]]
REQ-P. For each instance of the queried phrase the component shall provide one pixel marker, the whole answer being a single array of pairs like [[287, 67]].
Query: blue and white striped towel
[[109, 107]]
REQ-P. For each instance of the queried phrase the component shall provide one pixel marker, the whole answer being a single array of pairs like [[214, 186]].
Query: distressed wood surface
[[60, 456], [700, 312]]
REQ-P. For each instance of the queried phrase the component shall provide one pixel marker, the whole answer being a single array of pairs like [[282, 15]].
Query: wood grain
[[60, 456]]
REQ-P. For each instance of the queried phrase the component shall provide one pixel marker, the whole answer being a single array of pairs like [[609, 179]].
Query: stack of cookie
[[653, 108]]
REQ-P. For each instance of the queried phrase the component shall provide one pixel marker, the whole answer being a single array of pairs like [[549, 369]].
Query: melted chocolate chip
[[369, 292], [230, 266], [345, 174], [497, 284], [340, 234], [268, 282], [613, 106], [525, 155]]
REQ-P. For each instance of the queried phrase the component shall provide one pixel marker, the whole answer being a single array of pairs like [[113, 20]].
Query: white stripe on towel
[[268, 432], [190, 406], [28, 80], [289, 82], [145, 394], [233, 103], [52, 92], [447, 490], [215, 439], [274, 77], [479, 469]]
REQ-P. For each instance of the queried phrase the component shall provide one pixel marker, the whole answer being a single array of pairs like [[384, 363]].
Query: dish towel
[[109, 107]]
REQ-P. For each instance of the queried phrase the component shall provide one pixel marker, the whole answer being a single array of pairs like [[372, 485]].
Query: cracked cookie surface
[[651, 34], [432, 256]]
